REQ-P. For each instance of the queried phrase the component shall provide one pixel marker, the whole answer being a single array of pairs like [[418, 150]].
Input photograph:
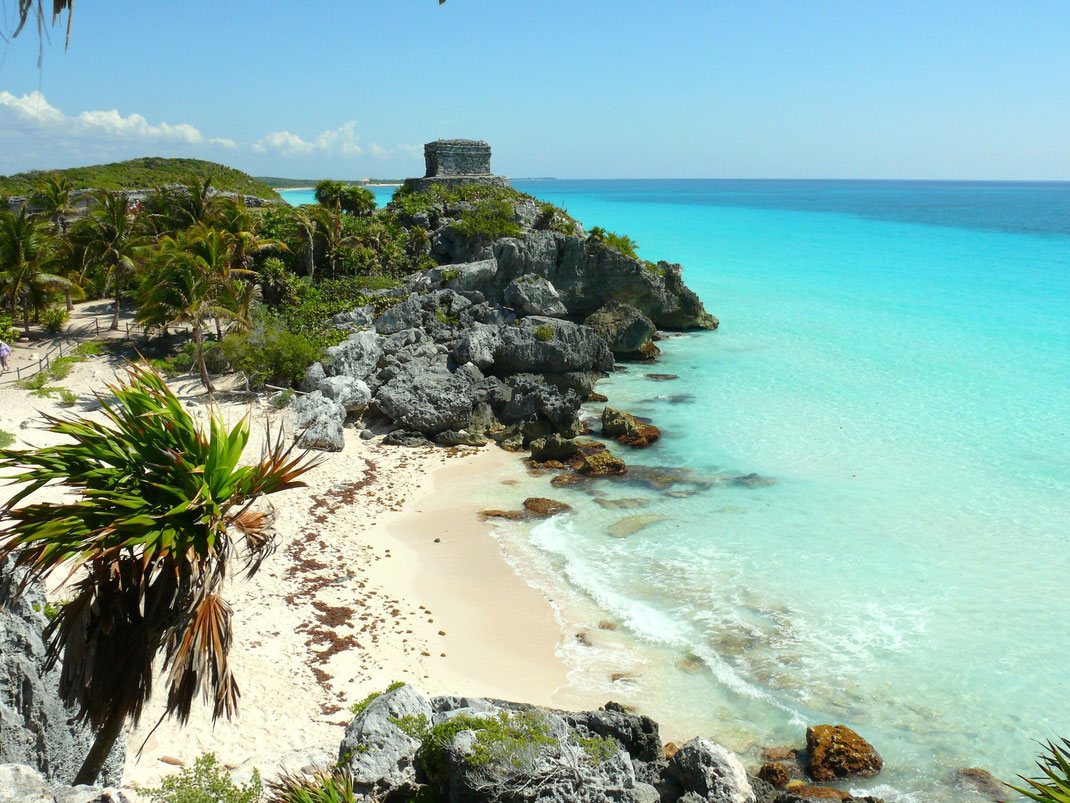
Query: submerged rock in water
[[800, 792], [630, 525], [622, 503], [662, 377], [752, 480], [541, 508], [836, 751], [982, 781], [661, 478], [627, 429]]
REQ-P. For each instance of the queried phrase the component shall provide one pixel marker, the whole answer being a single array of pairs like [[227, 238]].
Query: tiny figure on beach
[[5, 350]]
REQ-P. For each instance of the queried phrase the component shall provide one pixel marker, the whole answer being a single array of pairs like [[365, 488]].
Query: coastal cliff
[[505, 338]]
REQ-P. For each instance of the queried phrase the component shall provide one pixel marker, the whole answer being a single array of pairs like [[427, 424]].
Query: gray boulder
[[712, 771], [465, 276], [36, 728], [356, 356], [353, 394], [550, 346], [380, 754], [22, 784], [534, 295], [321, 419], [477, 346], [314, 374], [427, 399], [359, 318], [627, 331]]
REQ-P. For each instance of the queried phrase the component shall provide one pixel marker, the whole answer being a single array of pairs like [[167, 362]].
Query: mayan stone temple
[[456, 161]]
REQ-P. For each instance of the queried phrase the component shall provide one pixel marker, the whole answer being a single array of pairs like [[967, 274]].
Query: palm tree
[[330, 226], [114, 242], [329, 193], [159, 510], [359, 201], [53, 197], [233, 218], [191, 285], [27, 255]]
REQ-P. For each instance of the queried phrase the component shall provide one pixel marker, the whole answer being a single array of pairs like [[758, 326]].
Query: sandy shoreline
[[358, 594]]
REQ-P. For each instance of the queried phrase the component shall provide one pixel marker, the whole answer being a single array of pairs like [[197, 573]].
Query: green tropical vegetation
[[1053, 784], [157, 515], [278, 183], [139, 174], [618, 242], [207, 781]]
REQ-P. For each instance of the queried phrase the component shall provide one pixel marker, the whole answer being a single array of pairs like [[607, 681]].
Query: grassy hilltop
[[143, 173]]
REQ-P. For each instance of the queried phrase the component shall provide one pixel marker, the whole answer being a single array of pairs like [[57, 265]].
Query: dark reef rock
[[775, 774], [627, 429], [36, 729], [836, 751], [539, 507], [982, 781]]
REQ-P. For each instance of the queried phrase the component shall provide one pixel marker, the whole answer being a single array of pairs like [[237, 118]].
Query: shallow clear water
[[896, 356]]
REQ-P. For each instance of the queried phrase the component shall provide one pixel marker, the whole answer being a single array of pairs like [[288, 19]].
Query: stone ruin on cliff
[[452, 162]]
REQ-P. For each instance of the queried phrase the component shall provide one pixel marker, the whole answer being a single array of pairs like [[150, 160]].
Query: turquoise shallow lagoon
[[896, 356]]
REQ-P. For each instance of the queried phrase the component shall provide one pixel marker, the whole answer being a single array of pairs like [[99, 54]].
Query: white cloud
[[104, 133], [33, 114], [341, 141]]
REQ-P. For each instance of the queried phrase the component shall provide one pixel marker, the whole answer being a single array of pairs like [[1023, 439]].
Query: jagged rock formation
[[36, 729], [506, 338], [404, 746]]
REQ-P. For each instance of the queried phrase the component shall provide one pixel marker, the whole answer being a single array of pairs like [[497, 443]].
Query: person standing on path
[[5, 350]]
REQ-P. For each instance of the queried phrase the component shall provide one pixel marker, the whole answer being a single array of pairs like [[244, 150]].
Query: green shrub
[[55, 318], [490, 219], [205, 782], [6, 439], [598, 748], [356, 708], [621, 243], [91, 348], [61, 367], [268, 354], [544, 333], [35, 382], [450, 274], [51, 611], [282, 399], [1053, 785], [9, 333], [68, 398], [653, 267]]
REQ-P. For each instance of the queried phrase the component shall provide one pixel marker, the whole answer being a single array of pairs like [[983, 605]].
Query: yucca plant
[[335, 786], [159, 510], [1053, 785]]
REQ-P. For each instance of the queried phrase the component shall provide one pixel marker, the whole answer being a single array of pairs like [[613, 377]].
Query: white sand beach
[[383, 571]]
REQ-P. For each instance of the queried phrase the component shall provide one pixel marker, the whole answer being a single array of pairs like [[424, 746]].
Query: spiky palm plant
[[316, 787], [160, 512], [1053, 785]]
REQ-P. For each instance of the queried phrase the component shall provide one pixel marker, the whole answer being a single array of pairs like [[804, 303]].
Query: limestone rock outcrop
[[36, 729]]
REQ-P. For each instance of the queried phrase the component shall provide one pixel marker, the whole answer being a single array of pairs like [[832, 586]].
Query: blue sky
[[581, 89]]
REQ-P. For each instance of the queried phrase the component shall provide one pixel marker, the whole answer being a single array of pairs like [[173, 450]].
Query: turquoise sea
[[896, 356]]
